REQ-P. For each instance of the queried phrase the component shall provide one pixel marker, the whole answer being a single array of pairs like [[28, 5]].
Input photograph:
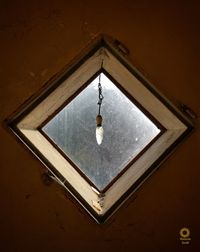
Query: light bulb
[[99, 129], [99, 134]]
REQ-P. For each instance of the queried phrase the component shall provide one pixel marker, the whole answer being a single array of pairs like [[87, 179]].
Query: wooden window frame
[[26, 124]]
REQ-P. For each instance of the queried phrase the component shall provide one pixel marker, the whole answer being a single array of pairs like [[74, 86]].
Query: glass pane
[[127, 130]]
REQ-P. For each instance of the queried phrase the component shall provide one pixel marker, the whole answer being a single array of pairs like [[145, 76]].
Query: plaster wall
[[37, 38]]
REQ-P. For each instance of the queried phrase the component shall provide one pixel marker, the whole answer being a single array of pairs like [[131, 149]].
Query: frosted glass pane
[[127, 131]]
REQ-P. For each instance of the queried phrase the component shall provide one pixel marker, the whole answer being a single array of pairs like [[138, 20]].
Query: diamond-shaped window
[[140, 128]]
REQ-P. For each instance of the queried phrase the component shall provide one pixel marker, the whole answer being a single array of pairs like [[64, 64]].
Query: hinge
[[187, 111], [121, 47]]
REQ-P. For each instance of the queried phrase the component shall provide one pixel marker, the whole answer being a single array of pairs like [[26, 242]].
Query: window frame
[[26, 125]]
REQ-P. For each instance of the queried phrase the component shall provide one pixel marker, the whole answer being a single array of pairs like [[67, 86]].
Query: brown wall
[[37, 39]]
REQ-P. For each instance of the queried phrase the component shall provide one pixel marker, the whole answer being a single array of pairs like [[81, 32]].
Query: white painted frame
[[98, 204]]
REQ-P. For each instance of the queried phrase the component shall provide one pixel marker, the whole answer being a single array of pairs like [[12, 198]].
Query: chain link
[[100, 95]]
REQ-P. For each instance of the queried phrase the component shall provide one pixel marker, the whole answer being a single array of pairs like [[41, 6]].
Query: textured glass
[[127, 130]]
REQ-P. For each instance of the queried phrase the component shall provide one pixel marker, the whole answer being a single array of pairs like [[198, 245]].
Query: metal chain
[[100, 94]]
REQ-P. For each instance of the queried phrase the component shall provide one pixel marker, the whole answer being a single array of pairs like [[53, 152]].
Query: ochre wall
[[37, 39]]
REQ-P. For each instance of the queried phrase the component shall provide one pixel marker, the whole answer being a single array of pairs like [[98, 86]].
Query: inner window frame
[[131, 98]]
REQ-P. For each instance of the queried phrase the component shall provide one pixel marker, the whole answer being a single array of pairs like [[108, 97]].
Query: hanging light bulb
[[99, 129]]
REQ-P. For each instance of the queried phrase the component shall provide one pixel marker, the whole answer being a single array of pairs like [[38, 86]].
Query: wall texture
[[37, 39]]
